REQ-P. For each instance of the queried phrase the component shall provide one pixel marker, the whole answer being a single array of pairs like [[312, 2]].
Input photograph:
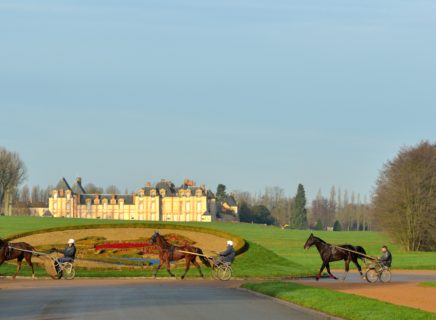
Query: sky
[[250, 93]]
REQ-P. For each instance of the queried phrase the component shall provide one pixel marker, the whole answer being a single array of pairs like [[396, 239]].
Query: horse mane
[[319, 239]]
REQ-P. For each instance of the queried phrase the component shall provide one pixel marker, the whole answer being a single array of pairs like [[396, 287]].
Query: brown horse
[[9, 251], [169, 252]]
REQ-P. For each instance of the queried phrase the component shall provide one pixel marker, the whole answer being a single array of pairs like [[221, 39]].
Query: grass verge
[[338, 304], [429, 284]]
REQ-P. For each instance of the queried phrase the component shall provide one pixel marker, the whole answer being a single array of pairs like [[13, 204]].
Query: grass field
[[273, 251], [429, 284], [343, 305]]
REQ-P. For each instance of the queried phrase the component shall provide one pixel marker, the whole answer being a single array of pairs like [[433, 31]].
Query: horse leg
[[169, 269], [188, 264], [19, 262], [157, 269], [328, 270], [356, 263], [29, 262], [347, 269], [194, 261], [320, 270]]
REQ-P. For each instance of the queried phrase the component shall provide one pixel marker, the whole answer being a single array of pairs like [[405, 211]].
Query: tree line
[[340, 211]]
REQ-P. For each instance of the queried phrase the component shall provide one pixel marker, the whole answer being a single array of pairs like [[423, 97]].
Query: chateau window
[[105, 204], [199, 206], [68, 206], [88, 205], [188, 206], [153, 207], [141, 206]]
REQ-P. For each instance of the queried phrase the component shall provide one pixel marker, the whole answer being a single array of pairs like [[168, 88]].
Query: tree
[[319, 225], [245, 214], [112, 189], [337, 226], [299, 212], [221, 192], [405, 198], [24, 194], [93, 189], [262, 215], [320, 210], [12, 174]]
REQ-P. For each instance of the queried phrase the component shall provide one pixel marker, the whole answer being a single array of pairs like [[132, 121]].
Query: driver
[[386, 258], [69, 252], [228, 255]]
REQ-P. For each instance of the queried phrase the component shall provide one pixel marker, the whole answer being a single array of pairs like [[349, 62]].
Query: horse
[[9, 251], [169, 252], [330, 253]]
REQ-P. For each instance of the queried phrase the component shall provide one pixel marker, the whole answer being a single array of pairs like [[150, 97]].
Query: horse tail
[[203, 258], [360, 250]]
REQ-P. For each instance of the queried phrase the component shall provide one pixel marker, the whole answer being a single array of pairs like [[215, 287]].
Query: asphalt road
[[120, 299]]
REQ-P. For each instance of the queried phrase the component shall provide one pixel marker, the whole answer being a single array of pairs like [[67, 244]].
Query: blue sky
[[246, 93]]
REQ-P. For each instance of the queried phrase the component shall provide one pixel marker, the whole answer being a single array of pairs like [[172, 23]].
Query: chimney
[[148, 184], [79, 180]]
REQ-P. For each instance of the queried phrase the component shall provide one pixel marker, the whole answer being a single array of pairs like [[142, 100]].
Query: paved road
[[90, 299]]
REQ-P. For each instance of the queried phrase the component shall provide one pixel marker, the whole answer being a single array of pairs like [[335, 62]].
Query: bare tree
[[405, 198], [12, 174], [112, 189], [92, 188], [24, 195]]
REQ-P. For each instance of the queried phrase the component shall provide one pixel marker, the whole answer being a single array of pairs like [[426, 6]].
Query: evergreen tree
[[337, 226], [299, 212], [221, 192]]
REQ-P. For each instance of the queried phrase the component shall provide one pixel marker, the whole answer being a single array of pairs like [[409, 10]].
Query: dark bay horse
[[169, 252], [330, 253], [8, 252]]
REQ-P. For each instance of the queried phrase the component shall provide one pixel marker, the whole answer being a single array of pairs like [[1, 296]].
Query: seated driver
[[69, 252], [386, 258], [228, 255]]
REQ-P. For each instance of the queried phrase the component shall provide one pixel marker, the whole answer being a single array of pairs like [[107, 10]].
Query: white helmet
[[229, 242], [71, 241]]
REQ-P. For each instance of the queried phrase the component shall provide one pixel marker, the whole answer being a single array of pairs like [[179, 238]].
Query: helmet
[[71, 241], [229, 242]]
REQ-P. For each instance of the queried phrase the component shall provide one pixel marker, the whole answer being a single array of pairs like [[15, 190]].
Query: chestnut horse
[[330, 253], [169, 252], [8, 251]]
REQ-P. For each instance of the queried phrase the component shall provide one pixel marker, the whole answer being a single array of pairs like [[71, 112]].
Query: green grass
[[429, 284], [273, 251], [339, 304]]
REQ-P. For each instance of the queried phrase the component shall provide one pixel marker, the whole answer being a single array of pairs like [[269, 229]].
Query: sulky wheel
[[68, 271], [385, 275], [215, 271], [224, 272], [371, 275]]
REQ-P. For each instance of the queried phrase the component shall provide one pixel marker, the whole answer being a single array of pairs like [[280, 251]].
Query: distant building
[[162, 202]]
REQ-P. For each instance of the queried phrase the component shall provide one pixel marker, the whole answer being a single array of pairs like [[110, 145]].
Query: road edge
[[292, 305]]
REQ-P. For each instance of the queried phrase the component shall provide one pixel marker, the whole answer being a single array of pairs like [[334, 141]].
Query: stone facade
[[162, 202]]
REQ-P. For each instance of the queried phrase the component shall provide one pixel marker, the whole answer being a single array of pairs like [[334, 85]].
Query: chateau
[[162, 202]]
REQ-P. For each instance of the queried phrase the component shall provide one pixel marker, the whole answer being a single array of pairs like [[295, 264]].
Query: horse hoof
[[317, 279]]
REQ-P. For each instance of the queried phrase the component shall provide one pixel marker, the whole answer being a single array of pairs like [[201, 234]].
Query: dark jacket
[[70, 252], [386, 258], [228, 255]]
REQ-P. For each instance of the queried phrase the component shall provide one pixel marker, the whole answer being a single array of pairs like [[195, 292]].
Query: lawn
[[429, 284], [338, 304], [273, 251]]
